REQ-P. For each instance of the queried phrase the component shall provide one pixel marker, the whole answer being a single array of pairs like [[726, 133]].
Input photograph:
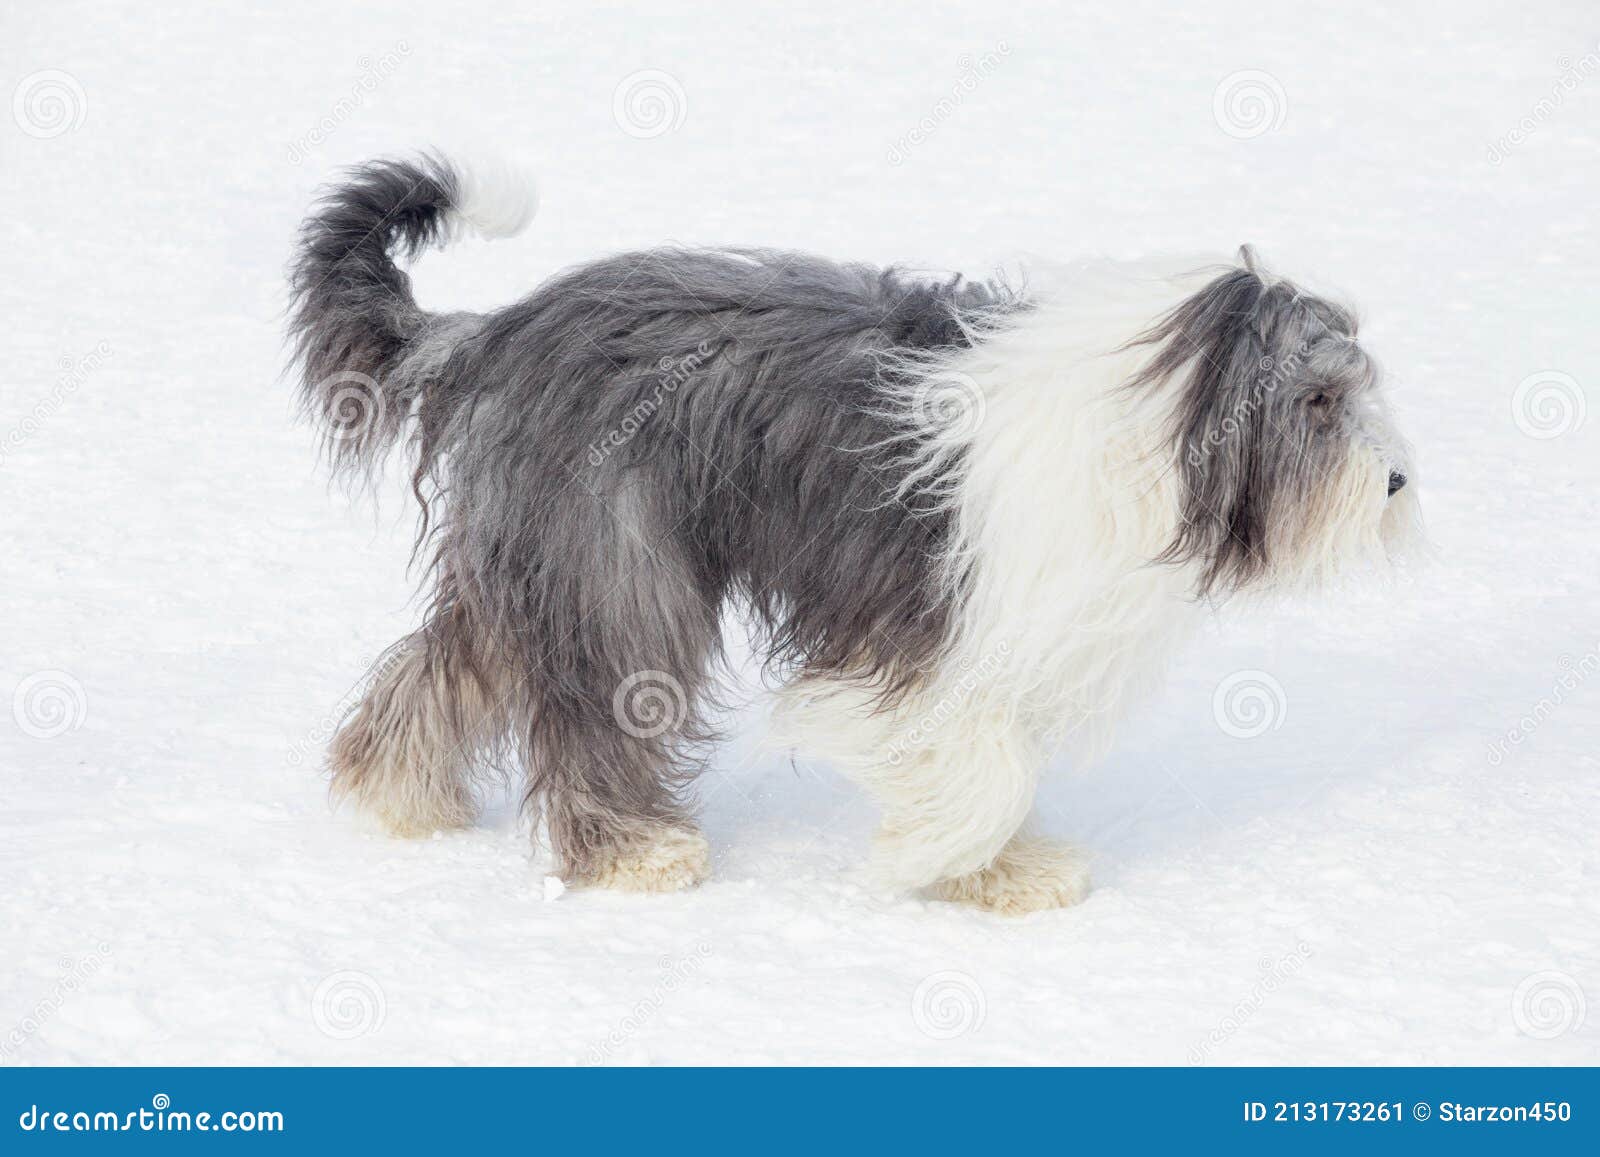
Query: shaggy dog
[[968, 521]]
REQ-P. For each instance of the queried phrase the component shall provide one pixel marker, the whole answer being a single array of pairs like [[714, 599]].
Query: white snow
[[1379, 875]]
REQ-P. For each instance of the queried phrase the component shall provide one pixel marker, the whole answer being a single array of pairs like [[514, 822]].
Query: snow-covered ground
[[1403, 865]]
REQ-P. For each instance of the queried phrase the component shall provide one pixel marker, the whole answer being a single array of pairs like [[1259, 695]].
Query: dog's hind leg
[[433, 708], [612, 798], [615, 728]]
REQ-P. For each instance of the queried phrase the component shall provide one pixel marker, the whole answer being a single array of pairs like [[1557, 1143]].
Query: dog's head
[[1289, 468]]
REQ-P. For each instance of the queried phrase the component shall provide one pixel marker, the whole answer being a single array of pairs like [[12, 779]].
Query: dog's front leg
[[954, 812], [953, 794], [1030, 874], [956, 783]]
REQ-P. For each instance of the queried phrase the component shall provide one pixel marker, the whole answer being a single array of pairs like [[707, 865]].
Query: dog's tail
[[354, 325]]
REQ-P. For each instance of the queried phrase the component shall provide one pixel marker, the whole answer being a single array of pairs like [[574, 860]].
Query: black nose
[[1396, 481]]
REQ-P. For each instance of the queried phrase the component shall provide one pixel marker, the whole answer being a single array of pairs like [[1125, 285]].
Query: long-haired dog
[[968, 521]]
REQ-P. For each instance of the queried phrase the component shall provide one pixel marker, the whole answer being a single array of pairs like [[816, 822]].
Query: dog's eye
[[1319, 399]]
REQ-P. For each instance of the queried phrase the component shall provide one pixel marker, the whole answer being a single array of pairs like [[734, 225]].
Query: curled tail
[[353, 321]]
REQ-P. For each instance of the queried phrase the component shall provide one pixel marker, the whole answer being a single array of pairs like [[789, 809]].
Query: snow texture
[[1361, 829]]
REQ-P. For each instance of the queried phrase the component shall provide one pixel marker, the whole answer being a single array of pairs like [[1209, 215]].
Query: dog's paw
[[667, 860], [1029, 875]]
